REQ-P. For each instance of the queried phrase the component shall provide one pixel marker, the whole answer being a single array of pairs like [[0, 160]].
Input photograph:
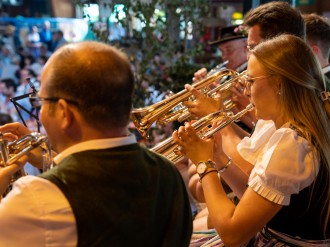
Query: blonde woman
[[286, 198]]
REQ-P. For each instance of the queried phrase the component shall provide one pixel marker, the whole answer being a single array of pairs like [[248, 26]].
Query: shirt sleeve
[[36, 213], [284, 165], [250, 147]]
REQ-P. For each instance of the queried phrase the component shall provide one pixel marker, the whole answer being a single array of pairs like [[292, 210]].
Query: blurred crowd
[[23, 53]]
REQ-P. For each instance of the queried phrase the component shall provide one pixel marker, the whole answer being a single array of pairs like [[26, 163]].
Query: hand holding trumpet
[[199, 149], [14, 131], [202, 105], [191, 145]]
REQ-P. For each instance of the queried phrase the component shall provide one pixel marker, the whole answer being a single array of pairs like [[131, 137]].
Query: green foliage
[[162, 59]]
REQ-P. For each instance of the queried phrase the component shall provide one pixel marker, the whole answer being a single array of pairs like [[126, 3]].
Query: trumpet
[[11, 152], [143, 118], [223, 118], [222, 89]]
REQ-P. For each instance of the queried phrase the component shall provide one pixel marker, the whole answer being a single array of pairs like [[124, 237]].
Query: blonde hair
[[302, 82]]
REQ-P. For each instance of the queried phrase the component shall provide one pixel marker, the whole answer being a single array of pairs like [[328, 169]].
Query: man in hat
[[232, 44]]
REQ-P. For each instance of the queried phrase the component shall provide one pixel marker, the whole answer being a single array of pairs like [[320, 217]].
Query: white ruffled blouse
[[284, 162]]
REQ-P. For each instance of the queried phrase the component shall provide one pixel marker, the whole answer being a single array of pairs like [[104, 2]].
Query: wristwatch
[[202, 167]]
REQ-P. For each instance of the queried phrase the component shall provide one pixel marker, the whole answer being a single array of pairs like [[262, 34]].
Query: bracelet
[[201, 177], [223, 169]]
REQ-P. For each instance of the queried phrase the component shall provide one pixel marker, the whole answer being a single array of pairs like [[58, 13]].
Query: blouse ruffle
[[284, 162]]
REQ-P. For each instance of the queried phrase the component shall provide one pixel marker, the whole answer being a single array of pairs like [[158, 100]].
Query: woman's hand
[[191, 145]]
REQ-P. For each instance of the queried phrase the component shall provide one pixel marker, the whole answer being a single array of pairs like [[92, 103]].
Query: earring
[[279, 93]]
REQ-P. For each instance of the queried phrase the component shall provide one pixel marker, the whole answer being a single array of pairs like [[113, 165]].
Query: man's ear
[[66, 114], [315, 49]]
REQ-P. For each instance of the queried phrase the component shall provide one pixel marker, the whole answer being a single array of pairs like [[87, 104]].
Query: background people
[[58, 40], [287, 189], [8, 89], [23, 89], [46, 34], [10, 38], [318, 37], [105, 189], [34, 42]]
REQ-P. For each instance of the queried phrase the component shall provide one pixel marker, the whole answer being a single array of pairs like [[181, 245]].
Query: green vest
[[125, 196]]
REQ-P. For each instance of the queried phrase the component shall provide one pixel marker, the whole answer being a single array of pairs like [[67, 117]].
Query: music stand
[[19, 107]]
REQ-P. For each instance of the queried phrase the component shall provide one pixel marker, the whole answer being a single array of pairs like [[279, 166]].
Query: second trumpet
[[168, 147], [171, 109]]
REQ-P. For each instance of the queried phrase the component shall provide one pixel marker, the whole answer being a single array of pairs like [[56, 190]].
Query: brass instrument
[[168, 147], [143, 118], [222, 89], [11, 152]]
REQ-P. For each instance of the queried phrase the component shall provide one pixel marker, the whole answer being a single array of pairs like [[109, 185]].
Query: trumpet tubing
[[143, 118], [223, 89], [24, 145], [168, 147]]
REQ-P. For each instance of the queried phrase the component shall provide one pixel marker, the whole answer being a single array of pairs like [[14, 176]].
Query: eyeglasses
[[248, 81], [36, 101]]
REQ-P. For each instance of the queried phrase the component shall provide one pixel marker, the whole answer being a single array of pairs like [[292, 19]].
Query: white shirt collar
[[326, 69], [95, 144]]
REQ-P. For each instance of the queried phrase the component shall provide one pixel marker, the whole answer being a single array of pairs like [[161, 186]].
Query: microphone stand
[[19, 107]]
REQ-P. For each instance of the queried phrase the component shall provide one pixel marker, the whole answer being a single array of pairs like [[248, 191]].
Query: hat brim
[[219, 41]]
